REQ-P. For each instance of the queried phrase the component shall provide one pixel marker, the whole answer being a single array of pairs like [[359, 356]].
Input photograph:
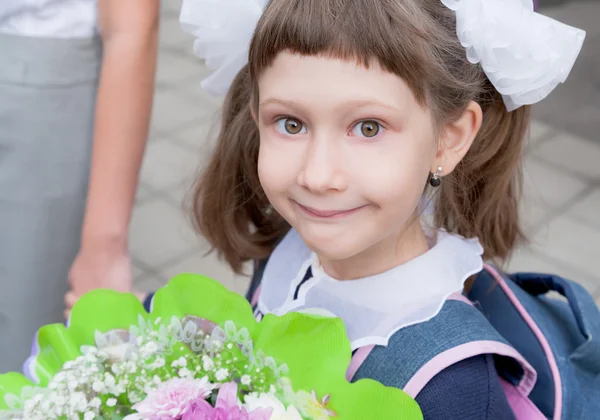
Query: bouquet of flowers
[[199, 354]]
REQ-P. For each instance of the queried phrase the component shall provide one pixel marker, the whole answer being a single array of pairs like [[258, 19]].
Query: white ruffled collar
[[372, 308]]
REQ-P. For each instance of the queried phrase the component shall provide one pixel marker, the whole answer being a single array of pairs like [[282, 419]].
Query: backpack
[[547, 350], [559, 337]]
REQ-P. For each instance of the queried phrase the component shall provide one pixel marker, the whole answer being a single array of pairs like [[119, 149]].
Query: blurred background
[[561, 208]]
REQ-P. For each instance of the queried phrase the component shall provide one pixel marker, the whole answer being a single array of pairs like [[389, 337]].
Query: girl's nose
[[322, 167]]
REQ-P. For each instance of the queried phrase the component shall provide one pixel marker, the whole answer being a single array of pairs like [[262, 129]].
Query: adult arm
[[129, 33]]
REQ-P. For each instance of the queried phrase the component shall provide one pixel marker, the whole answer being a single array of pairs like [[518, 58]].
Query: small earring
[[435, 180]]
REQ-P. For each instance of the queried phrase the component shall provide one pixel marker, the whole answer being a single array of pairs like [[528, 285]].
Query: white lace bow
[[524, 54], [223, 30]]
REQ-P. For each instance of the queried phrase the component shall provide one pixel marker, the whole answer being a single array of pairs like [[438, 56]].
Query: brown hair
[[414, 39]]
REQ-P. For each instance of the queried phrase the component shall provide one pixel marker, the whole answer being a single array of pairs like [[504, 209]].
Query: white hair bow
[[223, 30], [524, 54]]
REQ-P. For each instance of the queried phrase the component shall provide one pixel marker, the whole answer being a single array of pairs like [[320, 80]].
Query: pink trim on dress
[[465, 351], [539, 335]]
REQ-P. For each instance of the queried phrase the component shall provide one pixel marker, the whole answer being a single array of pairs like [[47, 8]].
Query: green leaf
[[11, 384], [192, 294]]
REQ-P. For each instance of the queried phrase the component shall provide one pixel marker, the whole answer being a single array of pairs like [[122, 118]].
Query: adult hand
[[99, 266]]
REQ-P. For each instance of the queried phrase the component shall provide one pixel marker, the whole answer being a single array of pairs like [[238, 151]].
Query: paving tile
[[572, 244], [207, 265], [582, 14], [143, 192], [572, 153], [170, 6], [173, 110], [242, 283], [575, 106], [200, 136], [588, 209], [585, 122], [137, 272], [549, 186], [174, 68], [191, 88], [527, 260], [148, 283], [533, 215], [160, 233], [167, 165], [538, 132], [180, 193]]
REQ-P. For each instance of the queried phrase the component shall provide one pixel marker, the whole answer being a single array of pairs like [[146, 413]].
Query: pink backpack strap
[[357, 360], [501, 282], [362, 353], [256, 295]]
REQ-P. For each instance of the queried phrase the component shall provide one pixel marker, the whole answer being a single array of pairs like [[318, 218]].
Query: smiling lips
[[327, 214]]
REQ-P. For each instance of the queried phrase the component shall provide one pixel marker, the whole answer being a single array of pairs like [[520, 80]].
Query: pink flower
[[226, 408], [172, 399]]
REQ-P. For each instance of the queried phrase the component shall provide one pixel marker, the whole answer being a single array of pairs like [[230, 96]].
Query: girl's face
[[345, 153]]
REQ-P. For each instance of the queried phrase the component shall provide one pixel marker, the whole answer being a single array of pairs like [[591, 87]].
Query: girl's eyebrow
[[276, 101], [359, 103]]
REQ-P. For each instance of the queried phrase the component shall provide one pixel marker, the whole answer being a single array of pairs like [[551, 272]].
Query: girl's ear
[[457, 138]]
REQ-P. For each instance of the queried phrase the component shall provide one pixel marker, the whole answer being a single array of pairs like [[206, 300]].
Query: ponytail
[[480, 198], [229, 207]]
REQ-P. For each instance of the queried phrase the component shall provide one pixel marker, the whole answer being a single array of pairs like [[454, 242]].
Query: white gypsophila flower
[[222, 374], [78, 402], [98, 386], [111, 402], [157, 363], [184, 373], [245, 380], [95, 403], [207, 363]]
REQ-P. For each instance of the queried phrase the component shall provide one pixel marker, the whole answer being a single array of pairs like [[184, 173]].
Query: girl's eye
[[368, 129], [290, 126]]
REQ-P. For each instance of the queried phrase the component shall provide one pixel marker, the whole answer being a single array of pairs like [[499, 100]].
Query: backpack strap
[[583, 307], [416, 354], [501, 301], [255, 296], [464, 349], [363, 352], [253, 292]]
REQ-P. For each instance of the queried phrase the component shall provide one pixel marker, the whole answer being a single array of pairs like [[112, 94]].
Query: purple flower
[[226, 408], [172, 399]]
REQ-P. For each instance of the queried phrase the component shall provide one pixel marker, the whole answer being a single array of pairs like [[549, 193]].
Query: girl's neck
[[391, 252]]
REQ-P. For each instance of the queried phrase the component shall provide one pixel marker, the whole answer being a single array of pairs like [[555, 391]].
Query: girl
[[75, 76], [346, 116]]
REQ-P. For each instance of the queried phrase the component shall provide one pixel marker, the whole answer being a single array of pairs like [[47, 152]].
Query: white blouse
[[49, 18], [372, 308]]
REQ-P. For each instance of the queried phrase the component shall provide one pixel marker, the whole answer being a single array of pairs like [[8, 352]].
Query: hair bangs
[[336, 28]]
